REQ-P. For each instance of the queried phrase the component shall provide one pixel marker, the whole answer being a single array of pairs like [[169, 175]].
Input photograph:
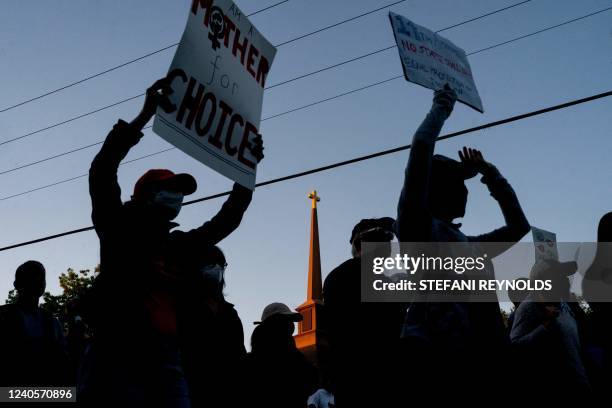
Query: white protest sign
[[431, 60], [218, 75], [545, 243]]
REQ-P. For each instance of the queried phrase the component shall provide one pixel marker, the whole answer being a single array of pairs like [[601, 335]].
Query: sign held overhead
[[218, 75], [431, 60]]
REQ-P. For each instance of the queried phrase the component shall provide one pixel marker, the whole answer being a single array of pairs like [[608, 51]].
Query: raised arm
[[225, 221], [413, 219], [230, 215], [103, 185], [516, 224]]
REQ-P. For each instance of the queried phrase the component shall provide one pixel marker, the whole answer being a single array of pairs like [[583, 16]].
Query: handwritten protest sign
[[545, 243], [218, 75], [431, 60]]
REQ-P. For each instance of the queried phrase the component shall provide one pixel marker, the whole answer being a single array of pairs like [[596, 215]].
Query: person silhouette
[[597, 282], [211, 333], [135, 346], [354, 357], [277, 373], [597, 292], [32, 345], [545, 335], [453, 336]]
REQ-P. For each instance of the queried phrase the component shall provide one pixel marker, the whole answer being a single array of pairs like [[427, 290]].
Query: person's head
[[448, 194], [30, 280], [371, 230], [279, 322], [273, 336], [164, 191], [557, 273], [209, 271], [604, 230], [518, 296]]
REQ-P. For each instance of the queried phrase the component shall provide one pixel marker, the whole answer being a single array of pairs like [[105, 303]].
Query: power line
[[318, 71], [82, 175], [116, 67], [173, 148], [332, 98], [484, 15], [148, 127], [267, 8], [70, 120], [87, 78], [2, 143], [351, 161], [78, 149], [369, 54], [338, 23], [80, 81], [547, 28], [300, 77]]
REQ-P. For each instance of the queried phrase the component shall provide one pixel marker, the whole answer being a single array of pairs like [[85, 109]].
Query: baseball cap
[[384, 223], [184, 183], [279, 309]]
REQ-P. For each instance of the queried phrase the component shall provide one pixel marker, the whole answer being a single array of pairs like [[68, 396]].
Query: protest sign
[[545, 243], [218, 75], [431, 60]]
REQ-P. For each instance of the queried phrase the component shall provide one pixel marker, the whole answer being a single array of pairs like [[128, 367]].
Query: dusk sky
[[558, 163]]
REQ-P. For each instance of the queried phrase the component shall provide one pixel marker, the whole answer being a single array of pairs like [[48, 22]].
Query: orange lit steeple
[[308, 339]]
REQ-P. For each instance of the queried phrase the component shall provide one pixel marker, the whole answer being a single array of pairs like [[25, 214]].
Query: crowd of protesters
[[164, 335]]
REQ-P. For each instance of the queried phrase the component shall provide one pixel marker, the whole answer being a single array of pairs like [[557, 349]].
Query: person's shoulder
[[7, 309], [341, 270], [230, 308], [348, 265], [527, 307]]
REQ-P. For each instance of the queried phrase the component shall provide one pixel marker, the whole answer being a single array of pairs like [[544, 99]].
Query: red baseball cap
[[184, 183]]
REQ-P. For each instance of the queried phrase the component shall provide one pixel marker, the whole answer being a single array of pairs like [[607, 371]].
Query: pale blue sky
[[559, 163]]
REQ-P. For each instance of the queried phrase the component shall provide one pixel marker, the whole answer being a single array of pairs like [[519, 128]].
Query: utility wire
[[173, 148], [351, 161], [150, 54], [2, 143], [367, 13], [294, 79], [83, 175], [267, 8], [547, 29], [70, 120]]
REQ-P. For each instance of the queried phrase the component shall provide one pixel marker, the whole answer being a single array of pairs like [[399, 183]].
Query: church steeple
[[308, 339], [315, 289]]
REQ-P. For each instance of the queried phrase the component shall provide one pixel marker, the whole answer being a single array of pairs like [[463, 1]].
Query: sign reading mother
[[218, 74]]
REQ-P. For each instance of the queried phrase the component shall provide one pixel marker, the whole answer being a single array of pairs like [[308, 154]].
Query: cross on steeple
[[314, 197]]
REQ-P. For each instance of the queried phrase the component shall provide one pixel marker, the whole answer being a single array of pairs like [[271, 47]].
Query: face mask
[[171, 200], [213, 273]]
